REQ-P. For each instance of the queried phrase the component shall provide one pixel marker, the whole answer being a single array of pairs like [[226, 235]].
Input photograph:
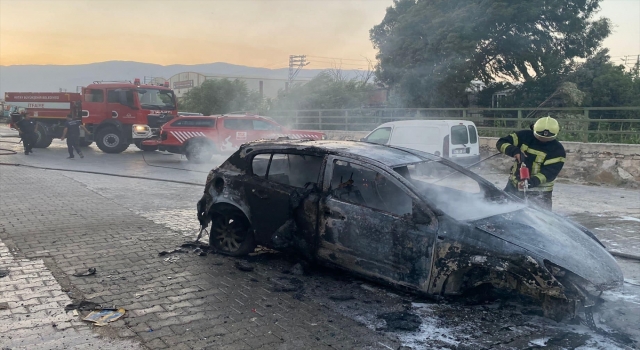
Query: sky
[[259, 33]]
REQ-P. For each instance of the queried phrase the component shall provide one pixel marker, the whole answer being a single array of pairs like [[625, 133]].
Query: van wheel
[[111, 140], [43, 140], [231, 233], [199, 150]]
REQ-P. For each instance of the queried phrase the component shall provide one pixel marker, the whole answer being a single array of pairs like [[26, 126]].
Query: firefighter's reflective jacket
[[544, 159]]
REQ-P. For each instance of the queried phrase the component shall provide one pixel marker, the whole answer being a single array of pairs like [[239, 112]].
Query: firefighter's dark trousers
[[541, 198], [73, 142], [29, 140]]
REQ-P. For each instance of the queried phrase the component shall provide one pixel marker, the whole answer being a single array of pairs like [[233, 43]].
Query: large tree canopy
[[430, 50], [599, 82]]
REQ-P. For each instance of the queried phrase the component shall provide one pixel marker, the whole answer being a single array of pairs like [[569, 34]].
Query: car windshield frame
[[141, 93], [492, 194]]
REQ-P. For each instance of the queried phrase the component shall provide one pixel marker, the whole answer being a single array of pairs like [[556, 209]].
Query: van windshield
[[456, 193], [459, 135], [380, 136]]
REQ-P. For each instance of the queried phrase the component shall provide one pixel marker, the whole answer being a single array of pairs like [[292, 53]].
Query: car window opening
[[366, 187], [288, 169], [457, 194]]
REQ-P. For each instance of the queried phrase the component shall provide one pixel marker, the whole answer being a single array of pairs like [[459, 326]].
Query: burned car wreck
[[403, 217]]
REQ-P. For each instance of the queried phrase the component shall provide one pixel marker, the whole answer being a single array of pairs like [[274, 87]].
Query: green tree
[[605, 83], [219, 96], [328, 90], [430, 50]]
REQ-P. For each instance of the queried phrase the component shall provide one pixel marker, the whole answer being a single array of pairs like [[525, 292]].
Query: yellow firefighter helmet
[[546, 128]]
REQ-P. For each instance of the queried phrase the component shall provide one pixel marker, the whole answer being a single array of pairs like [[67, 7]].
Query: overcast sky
[[261, 33]]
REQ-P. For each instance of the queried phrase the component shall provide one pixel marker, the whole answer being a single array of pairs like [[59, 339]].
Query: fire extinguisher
[[524, 176]]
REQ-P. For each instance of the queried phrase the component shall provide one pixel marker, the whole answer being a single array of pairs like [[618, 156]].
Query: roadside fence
[[583, 124]]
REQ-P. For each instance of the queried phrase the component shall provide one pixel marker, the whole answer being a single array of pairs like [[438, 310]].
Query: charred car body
[[401, 216]]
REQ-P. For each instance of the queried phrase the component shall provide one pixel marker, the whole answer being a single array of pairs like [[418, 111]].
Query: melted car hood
[[557, 240]]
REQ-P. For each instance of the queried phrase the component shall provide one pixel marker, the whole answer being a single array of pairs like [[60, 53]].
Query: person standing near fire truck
[[72, 132], [27, 130], [539, 151]]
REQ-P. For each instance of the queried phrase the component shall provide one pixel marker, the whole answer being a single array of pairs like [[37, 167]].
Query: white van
[[456, 140]]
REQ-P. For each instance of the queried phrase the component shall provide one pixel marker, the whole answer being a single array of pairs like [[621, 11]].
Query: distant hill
[[44, 78]]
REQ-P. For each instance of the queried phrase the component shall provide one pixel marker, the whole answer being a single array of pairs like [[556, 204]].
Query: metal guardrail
[[584, 124]]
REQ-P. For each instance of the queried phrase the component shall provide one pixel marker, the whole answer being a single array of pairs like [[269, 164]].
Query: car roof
[[425, 122], [390, 156]]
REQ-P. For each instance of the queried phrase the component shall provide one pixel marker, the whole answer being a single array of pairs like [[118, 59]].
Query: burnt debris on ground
[[401, 321]]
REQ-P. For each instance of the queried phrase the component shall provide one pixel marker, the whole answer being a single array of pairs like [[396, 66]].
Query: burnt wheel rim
[[230, 233]]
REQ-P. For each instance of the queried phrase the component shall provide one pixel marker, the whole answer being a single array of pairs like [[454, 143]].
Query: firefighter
[[72, 132], [27, 130], [539, 150]]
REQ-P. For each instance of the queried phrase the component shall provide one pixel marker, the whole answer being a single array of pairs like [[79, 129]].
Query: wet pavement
[[118, 225]]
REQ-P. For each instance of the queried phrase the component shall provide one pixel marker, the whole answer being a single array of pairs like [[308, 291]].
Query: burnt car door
[[374, 225], [283, 196]]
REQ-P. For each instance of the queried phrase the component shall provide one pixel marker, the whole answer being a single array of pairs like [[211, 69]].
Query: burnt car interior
[[362, 186], [456, 193], [295, 170]]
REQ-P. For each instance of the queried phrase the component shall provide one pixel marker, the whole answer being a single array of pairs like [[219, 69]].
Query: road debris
[[297, 269], [4, 273], [4, 306], [286, 284], [244, 266], [200, 252], [90, 271], [103, 317], [143, 293], [401, 321], [83, 305], [172, 259], [177, 250]]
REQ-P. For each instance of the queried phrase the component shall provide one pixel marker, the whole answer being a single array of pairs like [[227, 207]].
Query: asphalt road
[[167, 217]]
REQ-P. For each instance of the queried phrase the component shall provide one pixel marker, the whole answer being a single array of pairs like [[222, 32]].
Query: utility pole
[[296, 62]]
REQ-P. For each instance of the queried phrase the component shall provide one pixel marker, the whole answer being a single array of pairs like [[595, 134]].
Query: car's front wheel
[[231, 233]]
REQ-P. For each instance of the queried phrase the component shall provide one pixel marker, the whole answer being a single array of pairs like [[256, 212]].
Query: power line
[[296, 63], [341, 64], [340, 59]]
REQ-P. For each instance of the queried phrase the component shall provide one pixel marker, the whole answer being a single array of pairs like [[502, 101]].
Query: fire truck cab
[[118, 114]]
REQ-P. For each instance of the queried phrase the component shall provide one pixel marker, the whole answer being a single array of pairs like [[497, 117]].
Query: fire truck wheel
[[43, 140], [144, 148], [231, 233], [110, 140], [199, 150]]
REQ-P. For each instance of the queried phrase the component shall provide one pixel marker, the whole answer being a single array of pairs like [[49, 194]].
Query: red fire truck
[[116, 113]]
